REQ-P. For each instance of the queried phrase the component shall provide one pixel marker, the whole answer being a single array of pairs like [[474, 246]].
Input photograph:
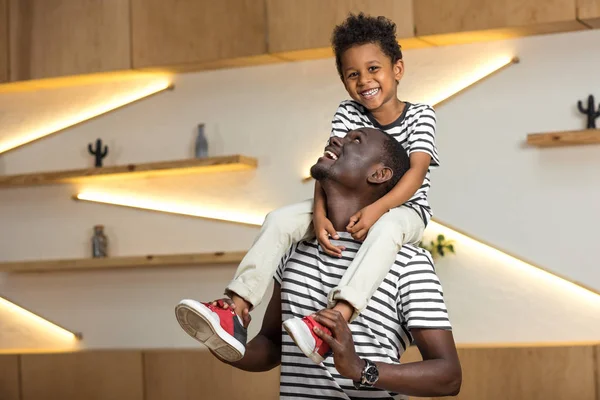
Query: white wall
[[540, 204], [280, 114]]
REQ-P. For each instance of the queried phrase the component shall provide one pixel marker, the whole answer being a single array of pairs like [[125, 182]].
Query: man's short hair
[[394, 157]]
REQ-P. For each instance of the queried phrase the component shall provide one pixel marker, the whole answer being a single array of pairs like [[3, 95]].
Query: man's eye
[[357, 140]]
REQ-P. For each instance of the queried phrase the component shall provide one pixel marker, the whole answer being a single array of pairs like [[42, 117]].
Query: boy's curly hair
[[362, 29]]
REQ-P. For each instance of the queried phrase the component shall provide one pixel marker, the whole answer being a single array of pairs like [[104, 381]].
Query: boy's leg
[[362, 278], [282, 228], [373, 260], [217, 325]]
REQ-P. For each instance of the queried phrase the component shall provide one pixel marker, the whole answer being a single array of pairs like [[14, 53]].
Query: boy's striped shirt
[[414, 129], [410, 297]]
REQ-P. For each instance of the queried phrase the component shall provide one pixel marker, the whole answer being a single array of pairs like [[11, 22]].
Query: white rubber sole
[[300, 334], [200, 323]]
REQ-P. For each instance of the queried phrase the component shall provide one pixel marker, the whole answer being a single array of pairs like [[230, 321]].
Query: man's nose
[[336, 141]]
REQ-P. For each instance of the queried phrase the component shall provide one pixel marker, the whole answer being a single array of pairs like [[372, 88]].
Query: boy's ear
[[399, 69], [380, 175]]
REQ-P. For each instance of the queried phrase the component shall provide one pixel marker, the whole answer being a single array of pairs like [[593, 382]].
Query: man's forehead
[[371, 132]]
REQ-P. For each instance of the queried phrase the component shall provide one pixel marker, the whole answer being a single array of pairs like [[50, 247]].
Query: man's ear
[[380, 175]]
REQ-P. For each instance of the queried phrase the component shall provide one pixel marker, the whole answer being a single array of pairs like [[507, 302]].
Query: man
[[407, 307]]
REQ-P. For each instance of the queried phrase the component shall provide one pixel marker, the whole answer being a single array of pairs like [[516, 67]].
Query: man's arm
[[263, 353], [439, 374]]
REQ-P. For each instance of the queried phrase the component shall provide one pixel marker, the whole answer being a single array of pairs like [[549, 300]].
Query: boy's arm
[[362, 221], [263, 353], [408, 185], [322, 225]]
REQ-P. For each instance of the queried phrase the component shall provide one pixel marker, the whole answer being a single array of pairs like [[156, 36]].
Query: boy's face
[[369, 75]]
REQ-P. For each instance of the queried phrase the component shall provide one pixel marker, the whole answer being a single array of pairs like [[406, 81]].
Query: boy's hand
[[362, 221], [323, 230]]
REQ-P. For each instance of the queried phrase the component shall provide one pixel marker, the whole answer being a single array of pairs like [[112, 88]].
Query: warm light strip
[[481, 73], [39, 320], [173, 208], [506, 259], [87, 114], [257, 220]]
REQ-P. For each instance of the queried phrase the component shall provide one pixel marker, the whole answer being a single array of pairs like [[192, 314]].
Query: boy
[[369, 63]]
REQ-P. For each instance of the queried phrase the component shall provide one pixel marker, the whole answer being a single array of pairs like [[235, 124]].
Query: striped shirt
[[414, 129], [410, 297]]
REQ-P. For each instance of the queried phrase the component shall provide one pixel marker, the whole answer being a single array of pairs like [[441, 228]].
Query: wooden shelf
[[566, 138], [148, 170], [148, 261]]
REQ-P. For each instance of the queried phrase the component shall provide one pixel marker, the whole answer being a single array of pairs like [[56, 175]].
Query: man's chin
[[319, 171]]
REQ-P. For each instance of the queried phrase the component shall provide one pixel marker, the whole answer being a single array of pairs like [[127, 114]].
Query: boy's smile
[[370, 77]]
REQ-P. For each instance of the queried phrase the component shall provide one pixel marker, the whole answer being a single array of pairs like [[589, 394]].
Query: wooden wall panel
[[3, 41], [9, 377], [589, 12], [98, 375], [50, 38], [532, 373], [170, 33], [461, 21], [190, 375], [301, 28]]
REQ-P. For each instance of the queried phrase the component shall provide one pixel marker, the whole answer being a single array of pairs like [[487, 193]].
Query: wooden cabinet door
[[589, 12], [300, 27], [50, 38], [179, 32], [3, 41], [461, 21]]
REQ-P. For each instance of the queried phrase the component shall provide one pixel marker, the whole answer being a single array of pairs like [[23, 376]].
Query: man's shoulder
[[414, 256]]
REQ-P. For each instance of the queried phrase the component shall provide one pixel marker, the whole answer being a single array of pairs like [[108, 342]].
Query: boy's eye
[[352, 75], [373, 68]]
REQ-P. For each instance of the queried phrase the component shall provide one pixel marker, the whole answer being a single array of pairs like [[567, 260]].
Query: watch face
[[371, 374]]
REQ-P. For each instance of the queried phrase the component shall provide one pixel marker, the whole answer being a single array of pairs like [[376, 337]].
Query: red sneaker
[[302, 333], [221, 330]]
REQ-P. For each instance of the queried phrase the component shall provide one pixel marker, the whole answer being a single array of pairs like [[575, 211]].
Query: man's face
[[350, 160], [369, 76]]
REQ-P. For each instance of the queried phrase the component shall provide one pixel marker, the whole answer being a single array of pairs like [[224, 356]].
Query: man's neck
[[343, 203]]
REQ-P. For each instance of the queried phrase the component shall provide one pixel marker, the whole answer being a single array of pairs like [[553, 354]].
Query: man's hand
[[362, 221], [323, 230], [345, 358]]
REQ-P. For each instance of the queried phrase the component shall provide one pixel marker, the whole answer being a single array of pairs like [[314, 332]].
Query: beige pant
[[293, 223]]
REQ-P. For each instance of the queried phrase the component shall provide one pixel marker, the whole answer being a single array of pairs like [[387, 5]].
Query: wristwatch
[[368, 376]]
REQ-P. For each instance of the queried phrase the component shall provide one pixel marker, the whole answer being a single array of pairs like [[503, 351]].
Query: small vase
[[99, 242], [201, 149]]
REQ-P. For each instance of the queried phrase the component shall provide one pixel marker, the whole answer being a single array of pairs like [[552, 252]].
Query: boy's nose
[[364, 79]]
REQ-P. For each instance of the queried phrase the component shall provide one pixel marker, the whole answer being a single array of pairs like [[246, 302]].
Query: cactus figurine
[[98, 152], [201, 149], [590, 111]]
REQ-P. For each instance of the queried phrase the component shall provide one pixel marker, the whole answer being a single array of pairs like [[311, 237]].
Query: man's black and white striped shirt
[[410, 297], [414, 129]]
